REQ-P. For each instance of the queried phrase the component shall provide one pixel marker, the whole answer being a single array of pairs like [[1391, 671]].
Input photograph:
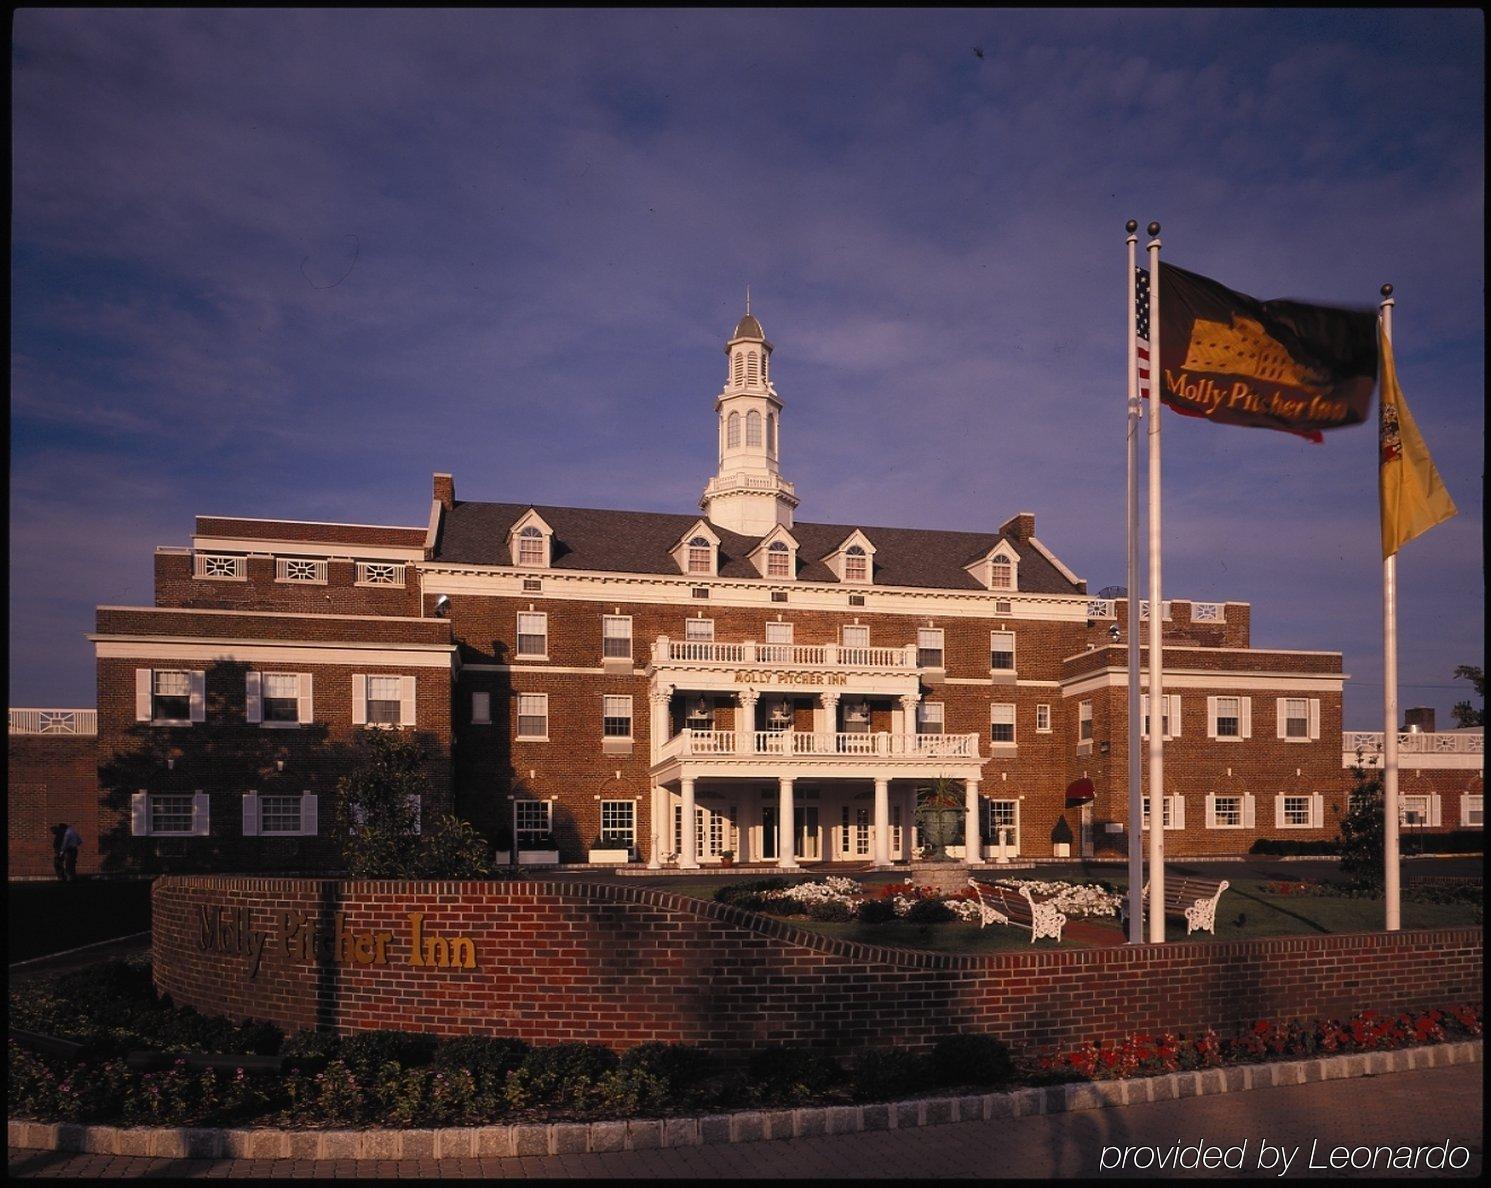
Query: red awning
[[1079, 792]]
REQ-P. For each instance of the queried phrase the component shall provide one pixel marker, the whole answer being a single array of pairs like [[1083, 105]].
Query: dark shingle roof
[[641, 542], [748, 327]]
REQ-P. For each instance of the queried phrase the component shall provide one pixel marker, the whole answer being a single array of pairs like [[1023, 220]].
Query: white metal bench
[[1190, 899], [1041, 918]]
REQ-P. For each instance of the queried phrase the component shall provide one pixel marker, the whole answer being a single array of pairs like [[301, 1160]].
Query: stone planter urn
[[942, 825]]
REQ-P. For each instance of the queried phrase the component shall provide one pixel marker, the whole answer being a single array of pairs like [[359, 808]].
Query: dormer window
[[998, 569], [854, 559], [856, 565], [531, 546], [530, 541], [778, 559], [1001, 574], [775, 557], [701, 555], [697, 552]]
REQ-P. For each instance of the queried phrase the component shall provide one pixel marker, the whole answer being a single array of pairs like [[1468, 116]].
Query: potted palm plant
[[939, 813]]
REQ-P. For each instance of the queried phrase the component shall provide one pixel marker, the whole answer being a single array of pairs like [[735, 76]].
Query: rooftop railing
[[54, 721]]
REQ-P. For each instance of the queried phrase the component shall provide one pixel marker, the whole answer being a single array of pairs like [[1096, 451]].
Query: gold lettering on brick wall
[[746, 677]]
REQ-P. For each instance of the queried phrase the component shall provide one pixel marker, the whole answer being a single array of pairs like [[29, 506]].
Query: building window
[[771, 427], [1002, 723], [384, 700], [1168, 812], [700, 555], [380, 573], [533, 715], [1297, 810], [172, 696], [778, 647], [929, 717], [1228, 812], [281, 696], [616, 637], [533, 585], [1084, 721], [531, 546], [618, 824], [778, 559], [1002, 815], [698, 630], [221, 566], [856, 564], [857, 717], [279, 814], [854, 638], [616, 717], [1001, 574], [533, 634], [1296, 717], [1169, 717], [699, 714], [779, 595], [1229, 718], [1002, 651], [171, 812], [531, 821], [753, 429], [732, 432], [1472, 812], [299, 569], [1043, 719], [481, 709], [929, 647]]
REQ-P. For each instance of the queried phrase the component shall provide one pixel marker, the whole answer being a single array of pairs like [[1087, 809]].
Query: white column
[[688, 859], [972, 846], [787, 832], [1156, 613], [829, 700], [1131, 523], [909, 835], [745, 722], [908, 720], [659, 828], [658, 719], [882, 822], [1391, 866]]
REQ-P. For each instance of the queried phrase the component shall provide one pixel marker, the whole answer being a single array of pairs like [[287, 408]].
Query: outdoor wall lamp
[[279, 765]]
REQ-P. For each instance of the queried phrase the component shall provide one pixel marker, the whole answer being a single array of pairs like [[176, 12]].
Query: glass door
[[805, 829], [768, 832]]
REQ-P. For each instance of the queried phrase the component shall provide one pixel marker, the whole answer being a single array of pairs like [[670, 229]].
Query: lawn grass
[[939, 938]]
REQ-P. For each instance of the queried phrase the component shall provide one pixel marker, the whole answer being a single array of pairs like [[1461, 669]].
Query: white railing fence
[[803, 743], [675, 651], [1369, 742], [53, 721]]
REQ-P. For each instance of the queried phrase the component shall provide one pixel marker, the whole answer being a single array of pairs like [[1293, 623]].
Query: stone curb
[[634, 1134]]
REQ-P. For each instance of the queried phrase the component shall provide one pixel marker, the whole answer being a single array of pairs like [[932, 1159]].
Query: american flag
[[1141, 328]]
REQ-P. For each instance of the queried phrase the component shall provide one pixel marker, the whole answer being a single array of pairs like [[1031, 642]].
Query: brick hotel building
[[667, 689]]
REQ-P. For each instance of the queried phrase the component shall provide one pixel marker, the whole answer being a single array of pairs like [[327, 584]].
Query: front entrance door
[[768, 832], [805, 829]]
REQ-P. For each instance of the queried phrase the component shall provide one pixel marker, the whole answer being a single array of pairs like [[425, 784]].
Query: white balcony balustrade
[[53, 721], [1369, 742], [679, 651], [812, 744]]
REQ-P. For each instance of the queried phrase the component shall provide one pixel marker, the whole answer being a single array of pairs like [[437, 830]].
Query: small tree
[[379, 824], [1464, 713], [1362, 825]]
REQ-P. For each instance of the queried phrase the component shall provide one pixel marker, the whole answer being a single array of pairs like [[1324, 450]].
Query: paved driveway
[[1414, 1108]]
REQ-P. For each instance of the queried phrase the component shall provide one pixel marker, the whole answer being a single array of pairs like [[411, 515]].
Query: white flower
[[1072, 899]]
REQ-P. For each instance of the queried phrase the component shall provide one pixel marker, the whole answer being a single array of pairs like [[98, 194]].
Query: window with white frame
[[753, 418], [1043, 719], [1002, 650], [618, 824], [1001, 723], [778, 649], [1414, 810], [1295, 811], [856, 564], [616, 637], [929, 647], [299, 569], [854, 637], [531, 546], [171, 695], [1228, 721], [699, 713], [1084, 721], [385, 700], [1472, 810], [780, 713], [1173, 812], [929, 717], [279, 813], [1002, 815], [172, 812], [616, 716], [1227, 812], [533, 715], [1001, 573], [698, 630], [380, 573], [1298, 718], [856, 717], [700, 555], [281, 696], [226, 566], [778, 559], [532, 821], [481, 709], [1169, 717], [533, 634]]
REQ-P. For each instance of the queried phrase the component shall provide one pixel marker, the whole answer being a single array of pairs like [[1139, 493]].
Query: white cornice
[[263, 614], [1197, 678], [1051, 557], [363, 551]]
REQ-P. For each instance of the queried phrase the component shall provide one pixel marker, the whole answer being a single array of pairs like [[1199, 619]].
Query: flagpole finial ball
[[1154, 228], [1387, 290], [1131, 226]]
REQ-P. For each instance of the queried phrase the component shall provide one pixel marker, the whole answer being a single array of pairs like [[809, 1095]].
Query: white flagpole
[[1156, 614], [1131, 525], [1389, 700]]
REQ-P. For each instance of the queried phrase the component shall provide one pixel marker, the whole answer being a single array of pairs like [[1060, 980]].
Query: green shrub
[[311, 1047], [482, 1055], [366, 1052], [971, 1060], [784, 1073], [563, 1074], [749, 894], [929, 911], [830, 909], [876, 911], [881, 1074], [625, 1092], [338, 1097]]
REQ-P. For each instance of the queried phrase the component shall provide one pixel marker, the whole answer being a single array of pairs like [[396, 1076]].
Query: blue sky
[[289, 263]]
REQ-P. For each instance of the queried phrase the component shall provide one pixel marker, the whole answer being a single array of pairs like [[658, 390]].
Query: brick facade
[[622, 965], [51, 779]]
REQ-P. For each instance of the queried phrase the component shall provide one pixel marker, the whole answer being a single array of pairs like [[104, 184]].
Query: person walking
[[58, 864], [72, 842]]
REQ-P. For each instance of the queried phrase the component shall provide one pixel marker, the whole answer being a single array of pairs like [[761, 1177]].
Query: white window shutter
[[306, 709], [142, 694], [406, 701], [1281, 705], [139, 812], [201, 815], [414, 803], [1144, 715], [359, 699], [1249, 816], [1211, 717], [1247, 717], [1314, 718], [1278, 812], [250, 814], [1211, 812], [1178, 812], [1174, 714], [253, 691], [199, 696], [1317, 811], [309, 825], [1434, 810]]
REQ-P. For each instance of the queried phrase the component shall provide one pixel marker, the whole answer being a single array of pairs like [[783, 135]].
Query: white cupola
[[748, 494]]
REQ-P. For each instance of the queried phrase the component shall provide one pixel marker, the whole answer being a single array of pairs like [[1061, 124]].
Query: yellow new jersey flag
[[1412, 496]]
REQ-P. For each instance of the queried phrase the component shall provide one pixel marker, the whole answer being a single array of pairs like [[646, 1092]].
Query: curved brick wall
[[622, 965]]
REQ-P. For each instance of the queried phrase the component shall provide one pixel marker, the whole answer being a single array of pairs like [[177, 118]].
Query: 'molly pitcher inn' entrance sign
[[297, 937]]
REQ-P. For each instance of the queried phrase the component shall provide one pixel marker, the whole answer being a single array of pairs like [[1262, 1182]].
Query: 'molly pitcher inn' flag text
[[1271, 364]]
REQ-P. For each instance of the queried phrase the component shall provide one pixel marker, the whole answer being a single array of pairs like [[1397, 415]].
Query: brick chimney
[[1421, 716], [1020, 527], [445, 491]]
